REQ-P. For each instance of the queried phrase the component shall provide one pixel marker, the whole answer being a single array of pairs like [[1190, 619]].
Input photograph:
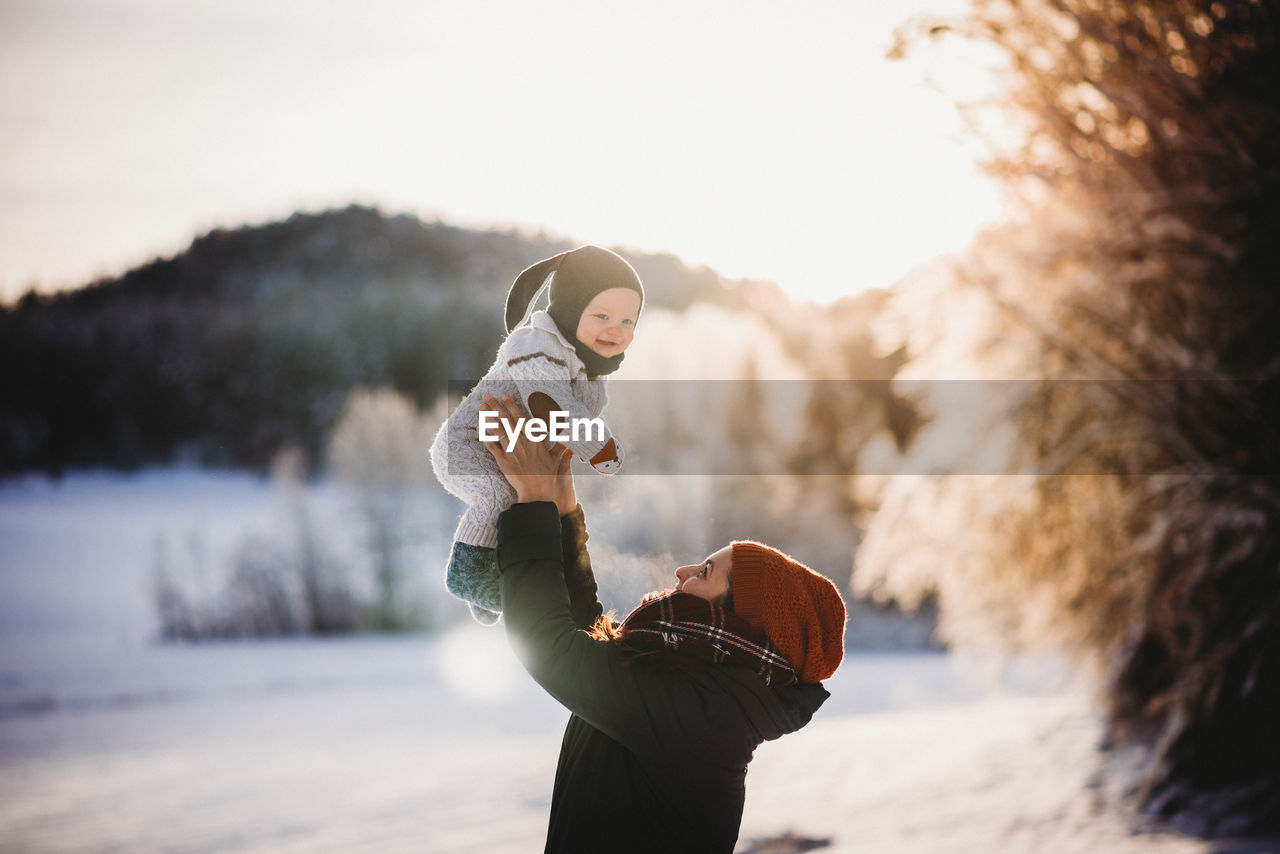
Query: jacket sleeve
[[584, 602], [637, 708], [538, 365]]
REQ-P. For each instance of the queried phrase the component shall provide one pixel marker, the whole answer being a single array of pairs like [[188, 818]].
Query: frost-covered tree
[[1148, 138], [380, 450]]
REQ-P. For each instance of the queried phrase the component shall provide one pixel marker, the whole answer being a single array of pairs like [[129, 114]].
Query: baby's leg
[[487, 496], [472, 574]]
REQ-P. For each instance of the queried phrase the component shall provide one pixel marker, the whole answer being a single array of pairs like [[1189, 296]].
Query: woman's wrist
[[531, 492], [566, 504]]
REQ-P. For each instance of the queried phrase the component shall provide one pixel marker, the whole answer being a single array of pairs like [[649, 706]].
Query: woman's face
[[710, 579]]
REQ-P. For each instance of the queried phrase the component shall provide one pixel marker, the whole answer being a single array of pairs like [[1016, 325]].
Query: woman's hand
[[536, 471]]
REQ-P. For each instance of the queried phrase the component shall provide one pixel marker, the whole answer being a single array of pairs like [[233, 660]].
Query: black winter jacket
[[652, 760]]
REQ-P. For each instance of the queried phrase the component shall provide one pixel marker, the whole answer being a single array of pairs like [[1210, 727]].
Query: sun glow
[[763, 139], [476, 662]]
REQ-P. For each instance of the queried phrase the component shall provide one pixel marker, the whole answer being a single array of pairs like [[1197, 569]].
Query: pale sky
[[765, 139]]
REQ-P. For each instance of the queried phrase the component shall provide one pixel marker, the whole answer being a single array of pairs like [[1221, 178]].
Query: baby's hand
[[609, 460]]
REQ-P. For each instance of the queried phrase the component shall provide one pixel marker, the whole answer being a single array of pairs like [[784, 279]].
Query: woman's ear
[[526, 287]]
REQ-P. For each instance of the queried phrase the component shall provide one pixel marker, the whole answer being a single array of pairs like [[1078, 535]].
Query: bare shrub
[[287, 584], [259, 600], [327, 603], [175, 611]]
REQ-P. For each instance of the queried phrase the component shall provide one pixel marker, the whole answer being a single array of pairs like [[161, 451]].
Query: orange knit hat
[[800, 610]]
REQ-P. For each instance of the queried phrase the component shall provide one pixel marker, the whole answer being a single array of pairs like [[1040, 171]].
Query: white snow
[[109, 743]]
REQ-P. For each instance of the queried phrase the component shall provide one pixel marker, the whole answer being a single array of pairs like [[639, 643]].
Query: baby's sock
[[473, 577]]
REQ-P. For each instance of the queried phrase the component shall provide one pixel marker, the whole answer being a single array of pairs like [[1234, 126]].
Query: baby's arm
[[541, 373], [607, 460]]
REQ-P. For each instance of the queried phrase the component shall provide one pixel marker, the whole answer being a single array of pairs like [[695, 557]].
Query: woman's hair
[[608, 628]]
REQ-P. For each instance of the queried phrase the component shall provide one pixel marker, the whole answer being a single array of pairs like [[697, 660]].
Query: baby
[[552, 361]]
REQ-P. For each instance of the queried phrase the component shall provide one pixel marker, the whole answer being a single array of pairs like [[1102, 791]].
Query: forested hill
[[251, 338]]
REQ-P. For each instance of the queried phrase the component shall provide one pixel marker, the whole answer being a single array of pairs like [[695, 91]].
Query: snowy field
[[112, 743]]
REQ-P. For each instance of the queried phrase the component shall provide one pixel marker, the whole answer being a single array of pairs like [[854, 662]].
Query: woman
[[668, 707]]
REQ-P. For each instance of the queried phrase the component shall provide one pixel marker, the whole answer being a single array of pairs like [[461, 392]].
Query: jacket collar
[[542, 320]]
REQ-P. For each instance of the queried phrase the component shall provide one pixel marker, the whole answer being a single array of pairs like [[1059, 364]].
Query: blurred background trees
[[1144, 139], [251, 339]]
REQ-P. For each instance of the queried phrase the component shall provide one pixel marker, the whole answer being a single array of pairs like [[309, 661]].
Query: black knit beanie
[[579, 275]]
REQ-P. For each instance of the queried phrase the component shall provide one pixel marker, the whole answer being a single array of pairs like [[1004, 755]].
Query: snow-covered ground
[[110, 743]]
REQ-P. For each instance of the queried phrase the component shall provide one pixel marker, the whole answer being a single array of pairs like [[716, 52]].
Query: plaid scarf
[[690, 625]]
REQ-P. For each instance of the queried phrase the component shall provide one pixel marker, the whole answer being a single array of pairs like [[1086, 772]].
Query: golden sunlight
[[762, 139]]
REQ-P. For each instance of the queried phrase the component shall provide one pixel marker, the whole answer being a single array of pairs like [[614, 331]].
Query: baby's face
[[608, 323]]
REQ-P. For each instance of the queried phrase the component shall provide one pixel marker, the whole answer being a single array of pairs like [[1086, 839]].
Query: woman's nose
[[682, 572]]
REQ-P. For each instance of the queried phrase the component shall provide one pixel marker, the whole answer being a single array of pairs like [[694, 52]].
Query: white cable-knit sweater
[[535, 358]]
